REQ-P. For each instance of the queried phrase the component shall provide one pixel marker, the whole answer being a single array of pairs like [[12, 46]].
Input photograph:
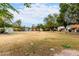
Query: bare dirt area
[[68, 52], [38, 43]]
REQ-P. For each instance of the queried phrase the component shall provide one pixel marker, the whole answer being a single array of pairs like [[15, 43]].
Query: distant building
[[75, 27], [6, 30], [9, 30]]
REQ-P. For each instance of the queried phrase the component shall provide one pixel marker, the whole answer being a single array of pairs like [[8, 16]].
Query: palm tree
[[7, 6], [5, 14]]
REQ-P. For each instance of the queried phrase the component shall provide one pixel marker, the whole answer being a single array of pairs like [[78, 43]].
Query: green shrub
[[66, 46]]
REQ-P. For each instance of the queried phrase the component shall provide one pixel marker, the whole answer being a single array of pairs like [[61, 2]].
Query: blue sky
[[35, 14]]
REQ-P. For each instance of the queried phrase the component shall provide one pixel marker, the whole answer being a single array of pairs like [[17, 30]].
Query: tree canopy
[[69, 13]]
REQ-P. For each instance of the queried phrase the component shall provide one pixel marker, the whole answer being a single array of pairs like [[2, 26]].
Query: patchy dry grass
[[37, 43]]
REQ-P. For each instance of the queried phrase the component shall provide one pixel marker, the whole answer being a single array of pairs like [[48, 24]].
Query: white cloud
[[35, 14]]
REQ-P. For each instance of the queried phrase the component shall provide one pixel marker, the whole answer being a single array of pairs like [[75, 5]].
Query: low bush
[[66, 46]]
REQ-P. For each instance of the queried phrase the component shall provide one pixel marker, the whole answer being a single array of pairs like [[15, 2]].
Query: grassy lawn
[[37, 43]]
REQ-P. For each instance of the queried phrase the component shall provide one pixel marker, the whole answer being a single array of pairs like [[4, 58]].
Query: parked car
[[69, 28], [2, 30], [61, 28], [73, 28]]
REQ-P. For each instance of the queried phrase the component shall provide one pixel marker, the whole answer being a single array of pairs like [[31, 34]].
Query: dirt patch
[[68, 52]]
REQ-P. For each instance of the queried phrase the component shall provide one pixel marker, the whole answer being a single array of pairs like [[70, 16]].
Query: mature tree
[[72, 13], [39, 26], [18, 23], [61, 18], [68, 13], [50, 21]]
